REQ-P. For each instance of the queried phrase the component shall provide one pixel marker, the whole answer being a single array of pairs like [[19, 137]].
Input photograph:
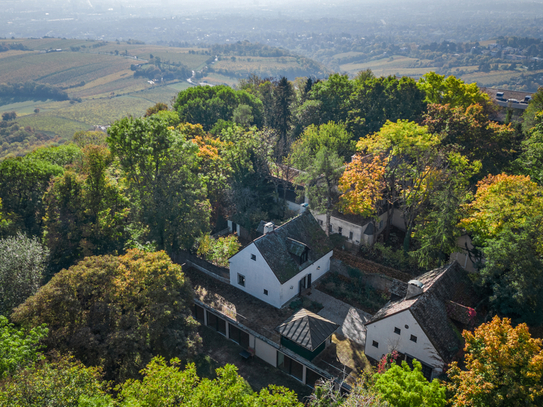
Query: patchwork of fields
[[99, 78]]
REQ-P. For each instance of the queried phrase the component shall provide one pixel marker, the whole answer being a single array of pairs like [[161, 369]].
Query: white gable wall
[[290, 289], [358, 230], [258, 276], [382, 332]]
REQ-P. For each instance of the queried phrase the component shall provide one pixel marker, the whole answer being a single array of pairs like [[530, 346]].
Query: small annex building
[[284, 261], [306, 333], [426, 323]]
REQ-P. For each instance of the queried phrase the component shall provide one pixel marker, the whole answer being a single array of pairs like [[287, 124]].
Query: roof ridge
[[444, 271]]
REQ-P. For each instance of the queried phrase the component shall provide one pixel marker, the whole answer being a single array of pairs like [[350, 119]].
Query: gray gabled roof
[[307, 329], [280, 246], [444, 284]]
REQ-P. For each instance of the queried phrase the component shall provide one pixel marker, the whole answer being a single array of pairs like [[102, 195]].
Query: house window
[[320, 222], [216, 323], [198, 313], [375, 344], [238, 336], [350, 235], [290, 366], [253, 257], [330, 228], [413, 338], [339, 230], [303, 257], [241, 280], [380, 224], [265, 292], [397, 331], [312, 378]]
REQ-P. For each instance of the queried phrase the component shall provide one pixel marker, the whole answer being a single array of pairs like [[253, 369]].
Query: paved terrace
[[351, 320], [342, 356], [237, 304]]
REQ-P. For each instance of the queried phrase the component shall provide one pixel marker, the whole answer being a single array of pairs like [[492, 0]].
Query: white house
[[282, 262], [356, 229], [425, 324]]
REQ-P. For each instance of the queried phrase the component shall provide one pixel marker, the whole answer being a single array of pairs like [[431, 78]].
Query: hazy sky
[[110, 19]]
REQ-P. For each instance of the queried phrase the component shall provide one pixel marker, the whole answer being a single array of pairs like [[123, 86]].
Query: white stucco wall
[[346, 227], [258, 276], [230, 226], [266, 352], [290, 289], [382, 331]]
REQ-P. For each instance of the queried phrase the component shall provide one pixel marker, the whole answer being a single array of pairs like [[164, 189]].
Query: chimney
[[304, 207], [268, 227], [414, 288]]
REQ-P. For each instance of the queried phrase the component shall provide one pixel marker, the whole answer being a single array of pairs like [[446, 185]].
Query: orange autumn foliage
[[504, 367]]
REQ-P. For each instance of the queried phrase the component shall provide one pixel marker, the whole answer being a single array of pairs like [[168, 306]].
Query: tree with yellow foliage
[[505, 223]]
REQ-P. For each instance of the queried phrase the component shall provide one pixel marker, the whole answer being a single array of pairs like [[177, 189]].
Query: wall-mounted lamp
[[318, 267]]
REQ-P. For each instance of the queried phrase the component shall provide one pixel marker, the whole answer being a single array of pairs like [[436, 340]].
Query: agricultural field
[[52, 125], [64, 118], [395, 65], [242, 66], [99, 78]]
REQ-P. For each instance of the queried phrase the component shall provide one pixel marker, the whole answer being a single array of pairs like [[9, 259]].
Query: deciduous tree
[[23, 182], [376, 100], [470, 131], [403, 387], [63, 382], [116, 312], [62, 155], [451, 90], [166, 188], [19, 348], [505, 224], [206, 105], [504, 367], [169, 386], [320, 154], [501, 202], [87, 212]]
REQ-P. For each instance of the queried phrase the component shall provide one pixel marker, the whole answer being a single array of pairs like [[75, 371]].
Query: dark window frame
[[304, 256], [375, 344], [397, 330], [265, 292], [253, 257], [217, 323], [288, 365], [413, 338], [241, 280]]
